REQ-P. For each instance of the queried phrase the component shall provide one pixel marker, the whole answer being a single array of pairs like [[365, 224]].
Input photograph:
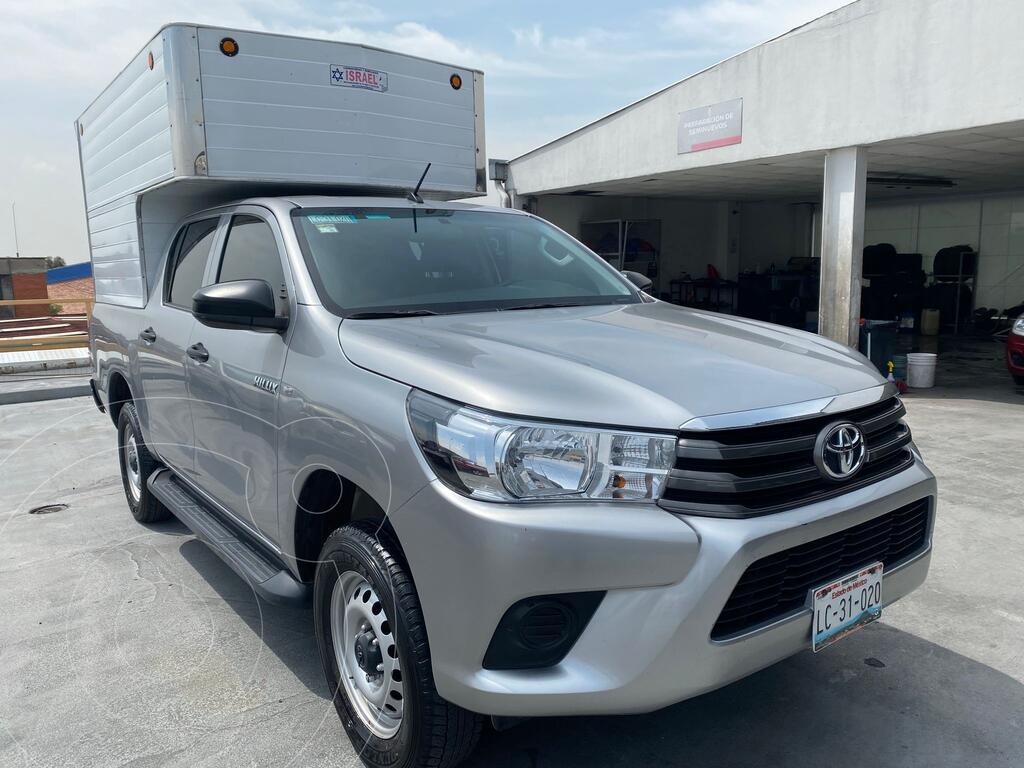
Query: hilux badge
[[839, 451], [265, 383]]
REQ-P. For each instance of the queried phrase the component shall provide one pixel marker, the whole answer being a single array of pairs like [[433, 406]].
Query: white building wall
[[772, 233]]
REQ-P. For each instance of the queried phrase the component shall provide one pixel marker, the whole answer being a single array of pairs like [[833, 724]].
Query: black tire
[[1018, 379], [144, 506], [434, 733]]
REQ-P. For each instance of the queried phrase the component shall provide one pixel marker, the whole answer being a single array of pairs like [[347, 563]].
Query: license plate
[[846, 605]]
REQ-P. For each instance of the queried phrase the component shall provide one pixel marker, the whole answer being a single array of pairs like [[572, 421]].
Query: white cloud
[[38, 165], [744, 23], [533, 36], [597, 49], [85, 43], [420, 40]]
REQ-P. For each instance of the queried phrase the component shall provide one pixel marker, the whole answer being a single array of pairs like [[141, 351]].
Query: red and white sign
[[718, 125], [358, 77]]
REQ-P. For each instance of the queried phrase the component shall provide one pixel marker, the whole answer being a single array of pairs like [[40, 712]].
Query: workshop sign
[[718, 125]]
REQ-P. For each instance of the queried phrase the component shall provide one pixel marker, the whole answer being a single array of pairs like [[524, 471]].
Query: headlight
[[1018, 326], [500, 459]]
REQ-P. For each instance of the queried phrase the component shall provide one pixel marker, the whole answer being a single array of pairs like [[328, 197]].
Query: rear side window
[[251, 254], [190, 259]]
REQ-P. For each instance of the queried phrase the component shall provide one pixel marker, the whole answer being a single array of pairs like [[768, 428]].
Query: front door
[[234, 390], [164, 407]]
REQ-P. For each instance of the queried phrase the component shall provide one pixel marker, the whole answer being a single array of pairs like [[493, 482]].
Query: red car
[[1015, 351]]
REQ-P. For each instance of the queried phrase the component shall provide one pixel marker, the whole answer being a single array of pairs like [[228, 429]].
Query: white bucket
[[921, 369]]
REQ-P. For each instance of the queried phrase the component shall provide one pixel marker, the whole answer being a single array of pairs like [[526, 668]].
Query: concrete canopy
[[979, 160]]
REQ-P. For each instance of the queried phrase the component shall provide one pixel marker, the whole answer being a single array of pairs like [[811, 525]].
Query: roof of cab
[[327, 201]]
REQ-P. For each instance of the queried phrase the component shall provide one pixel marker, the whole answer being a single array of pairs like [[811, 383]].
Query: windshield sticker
[[325, 222], [331, 218], [377, 216], [357, 77]]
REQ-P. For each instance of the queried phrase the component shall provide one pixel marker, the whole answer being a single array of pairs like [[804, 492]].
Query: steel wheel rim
[[131, 466], [376, 695]]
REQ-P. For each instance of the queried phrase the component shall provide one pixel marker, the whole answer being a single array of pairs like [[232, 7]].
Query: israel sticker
[[358, 77]]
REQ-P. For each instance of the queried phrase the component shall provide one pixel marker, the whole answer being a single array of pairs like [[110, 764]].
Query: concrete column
[[842, 243]]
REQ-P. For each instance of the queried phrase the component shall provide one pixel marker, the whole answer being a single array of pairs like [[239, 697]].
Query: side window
[[251, 254], [186, 275]]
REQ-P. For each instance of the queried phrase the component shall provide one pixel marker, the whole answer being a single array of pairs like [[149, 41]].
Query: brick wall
[[30, 285], [82, 288]]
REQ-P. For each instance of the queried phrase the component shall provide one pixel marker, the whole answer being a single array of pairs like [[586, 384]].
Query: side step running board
[[271, 580]]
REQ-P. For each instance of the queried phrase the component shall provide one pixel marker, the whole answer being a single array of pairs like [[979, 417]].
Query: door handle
[[198, 352], [148, 335]]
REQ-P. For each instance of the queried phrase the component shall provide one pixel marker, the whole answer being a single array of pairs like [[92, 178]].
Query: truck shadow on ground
[[882, 696], [286, 632]]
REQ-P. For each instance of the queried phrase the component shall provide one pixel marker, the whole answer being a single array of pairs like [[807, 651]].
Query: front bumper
[[667, 576]]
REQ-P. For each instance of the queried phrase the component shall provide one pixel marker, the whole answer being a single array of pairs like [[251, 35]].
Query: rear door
[[167, 326], [234, 391]]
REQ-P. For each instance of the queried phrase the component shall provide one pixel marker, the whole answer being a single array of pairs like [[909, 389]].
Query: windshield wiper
[[390, 313]]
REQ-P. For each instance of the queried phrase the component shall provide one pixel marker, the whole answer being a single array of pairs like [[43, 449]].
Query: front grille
[[777, 585], [769, 468]]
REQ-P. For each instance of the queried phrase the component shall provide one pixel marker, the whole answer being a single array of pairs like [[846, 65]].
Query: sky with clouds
[[550, 67]]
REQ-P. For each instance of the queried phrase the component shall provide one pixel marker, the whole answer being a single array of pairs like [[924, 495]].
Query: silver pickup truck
[[512, 483]]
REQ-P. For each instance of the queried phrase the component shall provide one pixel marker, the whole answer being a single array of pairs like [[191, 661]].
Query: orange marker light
[[228, 46], [456, 81], [149, 59]]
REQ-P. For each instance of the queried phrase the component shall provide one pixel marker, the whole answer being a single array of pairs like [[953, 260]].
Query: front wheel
[[373, 645]]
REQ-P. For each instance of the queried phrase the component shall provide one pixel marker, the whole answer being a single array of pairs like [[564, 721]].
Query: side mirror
[[238, 304], [643, 282]]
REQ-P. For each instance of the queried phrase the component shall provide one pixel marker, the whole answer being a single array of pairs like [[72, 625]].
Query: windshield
[[369, 261]]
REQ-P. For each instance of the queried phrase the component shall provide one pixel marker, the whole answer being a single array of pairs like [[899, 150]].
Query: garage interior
[[943, 231]]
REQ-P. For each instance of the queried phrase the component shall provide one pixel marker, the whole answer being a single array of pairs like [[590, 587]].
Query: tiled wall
[[992, 226], [78, 289]]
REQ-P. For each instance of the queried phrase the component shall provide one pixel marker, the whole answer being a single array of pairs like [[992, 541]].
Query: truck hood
[[652, 365]]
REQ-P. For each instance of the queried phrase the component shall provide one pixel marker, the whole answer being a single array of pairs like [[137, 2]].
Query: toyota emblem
[[840, 451]]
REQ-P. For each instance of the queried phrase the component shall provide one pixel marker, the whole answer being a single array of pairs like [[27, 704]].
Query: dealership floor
[[126, 645]]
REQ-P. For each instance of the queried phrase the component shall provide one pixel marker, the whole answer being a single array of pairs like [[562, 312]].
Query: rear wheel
[[373, 645], [137, 464]]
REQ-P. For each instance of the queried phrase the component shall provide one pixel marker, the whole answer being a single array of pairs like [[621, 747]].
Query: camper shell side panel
[[124, 144]]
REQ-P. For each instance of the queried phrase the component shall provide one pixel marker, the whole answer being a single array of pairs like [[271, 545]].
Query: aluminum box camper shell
[[204, 115]]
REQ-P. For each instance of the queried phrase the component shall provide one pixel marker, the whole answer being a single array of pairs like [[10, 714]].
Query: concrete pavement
[[42, 385], [126, 645]]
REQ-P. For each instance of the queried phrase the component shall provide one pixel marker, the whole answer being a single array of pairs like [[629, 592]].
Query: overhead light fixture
[[908, 182]]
